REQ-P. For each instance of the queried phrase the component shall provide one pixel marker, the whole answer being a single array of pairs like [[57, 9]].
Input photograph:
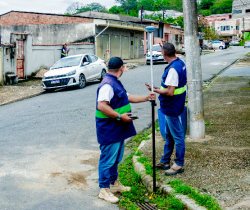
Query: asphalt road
[[49, 152]]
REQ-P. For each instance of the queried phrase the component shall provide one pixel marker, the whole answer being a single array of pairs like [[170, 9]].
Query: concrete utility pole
[[194, 71]]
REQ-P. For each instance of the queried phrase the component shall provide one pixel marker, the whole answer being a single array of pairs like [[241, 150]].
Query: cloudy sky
[[45, 6]]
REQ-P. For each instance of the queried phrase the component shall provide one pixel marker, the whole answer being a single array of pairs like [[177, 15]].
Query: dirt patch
[[79, 179], [92, 161]]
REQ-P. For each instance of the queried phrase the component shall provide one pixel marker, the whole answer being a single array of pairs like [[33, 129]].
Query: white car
[[247, 44], [234, 43], [156, 55], [74, 70], [218, 44]]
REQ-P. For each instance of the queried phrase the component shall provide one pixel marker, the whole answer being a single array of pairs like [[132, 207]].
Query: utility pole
[[194, 71], [244, 27], [163, 24], [141, 14]]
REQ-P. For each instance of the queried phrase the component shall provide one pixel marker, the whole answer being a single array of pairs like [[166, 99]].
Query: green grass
[[202, 199], [139, 193], [147, 164]]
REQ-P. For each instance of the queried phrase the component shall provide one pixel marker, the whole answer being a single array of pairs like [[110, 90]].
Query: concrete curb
[[166, 189], [22, 98]]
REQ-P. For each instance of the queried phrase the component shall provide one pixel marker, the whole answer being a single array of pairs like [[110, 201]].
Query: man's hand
[[151, 96], [148, 86], [125, 117]]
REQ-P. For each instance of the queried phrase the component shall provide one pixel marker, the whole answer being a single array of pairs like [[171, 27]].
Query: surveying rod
[[151, 29]]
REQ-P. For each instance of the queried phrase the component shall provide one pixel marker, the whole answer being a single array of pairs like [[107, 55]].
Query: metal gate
[[20, 58], [125, 47], [103, 46], [115, 45]]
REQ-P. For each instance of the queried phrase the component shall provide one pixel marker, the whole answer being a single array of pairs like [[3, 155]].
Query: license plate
[[55, 81], [154, 58]]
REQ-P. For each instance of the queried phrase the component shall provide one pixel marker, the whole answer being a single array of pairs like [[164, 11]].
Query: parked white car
[[247, 44], [234, 43], [156, 55], [218, 44], [74, 70]]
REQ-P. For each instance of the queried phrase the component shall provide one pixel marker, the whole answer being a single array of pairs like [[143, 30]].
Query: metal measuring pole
[[151, 29]]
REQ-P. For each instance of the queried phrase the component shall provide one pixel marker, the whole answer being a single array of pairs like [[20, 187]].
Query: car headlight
[[148, 55], [71, 73], [44, 77]]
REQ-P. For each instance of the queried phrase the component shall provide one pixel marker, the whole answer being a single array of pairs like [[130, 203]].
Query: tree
[[116, 10], [206, 4], [92, 7], [127, 5], [72, 9], [222, 6]]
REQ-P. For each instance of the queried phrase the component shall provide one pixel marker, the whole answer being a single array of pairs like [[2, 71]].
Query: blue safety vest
[[63, 54], [110, 130], [174, 105]]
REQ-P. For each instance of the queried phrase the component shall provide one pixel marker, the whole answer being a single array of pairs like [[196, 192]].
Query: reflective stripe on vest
[[177, 91], [63, 54], [121, 110]]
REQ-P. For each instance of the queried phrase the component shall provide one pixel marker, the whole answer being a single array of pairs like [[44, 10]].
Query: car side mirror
[[85, 63]]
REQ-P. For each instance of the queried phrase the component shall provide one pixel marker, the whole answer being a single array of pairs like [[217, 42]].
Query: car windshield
[[156, 48], [67, 62]]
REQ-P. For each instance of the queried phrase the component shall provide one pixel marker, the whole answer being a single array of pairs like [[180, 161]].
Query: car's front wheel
[[82, 81], [102, 75]]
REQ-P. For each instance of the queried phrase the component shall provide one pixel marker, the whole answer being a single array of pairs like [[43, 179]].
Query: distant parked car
[[218, 44], [247, 44], [157, 56], [183, 50], [74, 70], [234, 43]]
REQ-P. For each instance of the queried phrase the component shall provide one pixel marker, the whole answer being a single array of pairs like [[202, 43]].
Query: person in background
[[114, 125], [65, 51]]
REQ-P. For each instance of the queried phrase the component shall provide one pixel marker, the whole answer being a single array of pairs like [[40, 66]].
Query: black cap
[[115, 63]]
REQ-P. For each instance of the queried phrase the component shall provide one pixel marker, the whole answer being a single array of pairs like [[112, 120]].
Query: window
[[93, 58], [218, 28], [231, 27], [227, 28], [7, 51], [237, 27], [223, 28], [247, 10], [237, 11]]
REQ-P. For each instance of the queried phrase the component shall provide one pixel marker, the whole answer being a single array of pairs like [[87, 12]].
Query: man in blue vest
[[113, 126], [65, 51], [172, 101]]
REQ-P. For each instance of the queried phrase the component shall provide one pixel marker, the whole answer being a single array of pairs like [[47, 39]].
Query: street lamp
[[151, 29]]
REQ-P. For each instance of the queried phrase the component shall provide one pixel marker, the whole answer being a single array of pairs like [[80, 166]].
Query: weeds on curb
[[148, 166], [202, 199], [139, 193]]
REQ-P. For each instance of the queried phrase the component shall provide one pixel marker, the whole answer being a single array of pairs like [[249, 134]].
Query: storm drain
[[147, 206]]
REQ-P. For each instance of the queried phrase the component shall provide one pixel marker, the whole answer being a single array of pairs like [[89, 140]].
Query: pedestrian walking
[[65, 51], [172, 101], [113, 126]]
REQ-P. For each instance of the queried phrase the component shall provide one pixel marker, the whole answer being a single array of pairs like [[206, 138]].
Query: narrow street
[[49, 152]]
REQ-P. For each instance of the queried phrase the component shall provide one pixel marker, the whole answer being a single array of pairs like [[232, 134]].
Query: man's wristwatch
[[118, 117]]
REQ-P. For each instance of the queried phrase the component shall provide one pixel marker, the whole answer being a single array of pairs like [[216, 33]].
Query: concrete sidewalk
[[219, 165]]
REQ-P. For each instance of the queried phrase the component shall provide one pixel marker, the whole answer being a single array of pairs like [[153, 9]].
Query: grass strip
[[202, 199], [139, 193]]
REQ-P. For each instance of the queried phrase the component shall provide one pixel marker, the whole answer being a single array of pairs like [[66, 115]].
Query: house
[[35, 39]]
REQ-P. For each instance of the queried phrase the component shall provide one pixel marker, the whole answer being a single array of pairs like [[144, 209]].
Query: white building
[[241, 8]]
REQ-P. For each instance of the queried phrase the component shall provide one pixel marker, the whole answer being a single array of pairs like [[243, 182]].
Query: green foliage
[[92, 7], [209, 7], [202, 199], [139, 193]]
